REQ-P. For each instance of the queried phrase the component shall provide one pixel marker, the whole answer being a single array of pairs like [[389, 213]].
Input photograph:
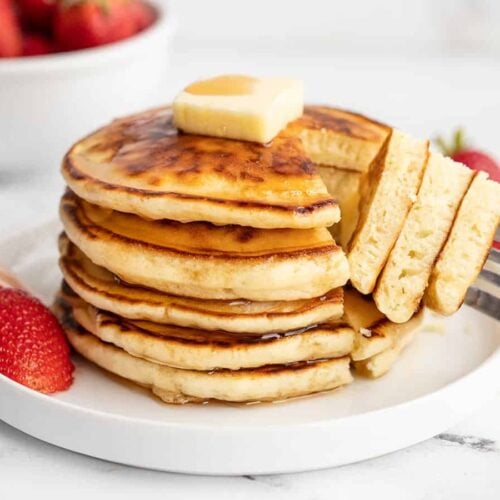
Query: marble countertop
[[464, 462]]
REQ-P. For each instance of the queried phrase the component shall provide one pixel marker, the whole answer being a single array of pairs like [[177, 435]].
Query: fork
[[484, 294]]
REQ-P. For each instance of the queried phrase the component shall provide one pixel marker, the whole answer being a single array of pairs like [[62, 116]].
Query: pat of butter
[[239, 107]]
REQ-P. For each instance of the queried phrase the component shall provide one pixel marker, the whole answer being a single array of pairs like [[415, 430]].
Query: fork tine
[[484, 302], [484, 295]]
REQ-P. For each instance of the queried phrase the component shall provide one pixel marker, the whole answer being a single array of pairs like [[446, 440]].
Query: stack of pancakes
[[203, 267]]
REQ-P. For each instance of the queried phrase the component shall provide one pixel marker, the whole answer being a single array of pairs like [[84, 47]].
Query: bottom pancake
[[174, 385]]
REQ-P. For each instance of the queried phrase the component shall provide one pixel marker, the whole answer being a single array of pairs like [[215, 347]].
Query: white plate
[[440, 379]]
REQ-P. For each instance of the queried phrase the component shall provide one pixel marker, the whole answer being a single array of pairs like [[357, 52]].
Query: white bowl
[[48, 102]]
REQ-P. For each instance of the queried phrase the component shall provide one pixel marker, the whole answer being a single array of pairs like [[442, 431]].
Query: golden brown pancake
[[340, 138], [205, 261], [196, 349], [103, 290], [141, 164]]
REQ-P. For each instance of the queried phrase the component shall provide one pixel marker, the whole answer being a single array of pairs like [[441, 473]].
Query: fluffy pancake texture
[[387, 194], [340, 138], [344, 186], [206, 261], [175, 385], [141, 164], [196, 349], [467, 246], [100, 288], [404, 279]]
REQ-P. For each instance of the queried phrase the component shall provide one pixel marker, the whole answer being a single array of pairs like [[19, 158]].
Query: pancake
[[381, 363], [141, 164], [205, 261], [340, 138], [404, 279], [387, 193], [344, 186], [374, 333], [467, 247], [103, 290], [195, 349], [174, 385]]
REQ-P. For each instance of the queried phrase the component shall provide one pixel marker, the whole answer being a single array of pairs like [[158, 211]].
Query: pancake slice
[[374, 333], [205, 261], [387, 194], [340, 138], [195, 349], [102, 289], [381, 363], [467, 247], [141, 164], [174, 385], [404, 279], [344, 186]]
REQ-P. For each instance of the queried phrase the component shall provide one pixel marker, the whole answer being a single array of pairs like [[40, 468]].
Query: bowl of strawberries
[[67, 66]]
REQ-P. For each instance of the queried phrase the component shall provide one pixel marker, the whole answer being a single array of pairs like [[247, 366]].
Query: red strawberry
[[473, 158], [36, 45], [143, 14], [90, 23], [11, 43], [38, 13], [33, 348]]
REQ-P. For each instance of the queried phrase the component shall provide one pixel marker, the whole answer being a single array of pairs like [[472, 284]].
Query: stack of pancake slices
[[204, 268]]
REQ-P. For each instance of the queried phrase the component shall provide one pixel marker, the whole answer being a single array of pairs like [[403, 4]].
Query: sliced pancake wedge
[[467, 247], [340, 138], [205, 350], [175, 385], [404, 279], [381, 363], [141, 164], [387, 194], [103, 290], [344, 186], [374, 333], [205, 261]]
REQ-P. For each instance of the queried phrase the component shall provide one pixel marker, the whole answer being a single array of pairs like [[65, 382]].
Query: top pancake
[[141, 164], [339, 138]]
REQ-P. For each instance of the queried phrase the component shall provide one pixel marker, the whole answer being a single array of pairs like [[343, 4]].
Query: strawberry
[[38, 13], [81, 24], [144, 15], [36, 45], [11, 43], [473, 158], [33, 348]]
